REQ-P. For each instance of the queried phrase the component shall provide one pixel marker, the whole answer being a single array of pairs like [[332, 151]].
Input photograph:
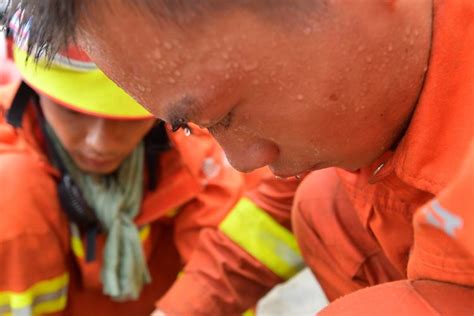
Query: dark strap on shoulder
[[24, 96], [156, 142], [19, 104]]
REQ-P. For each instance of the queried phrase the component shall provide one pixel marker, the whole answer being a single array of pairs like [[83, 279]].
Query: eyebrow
[[182, 109]]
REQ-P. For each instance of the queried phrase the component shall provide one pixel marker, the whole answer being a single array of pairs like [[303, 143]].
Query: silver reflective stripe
[[25, 311], [28, 310], [4, 309], [75, 230], [451, 222]]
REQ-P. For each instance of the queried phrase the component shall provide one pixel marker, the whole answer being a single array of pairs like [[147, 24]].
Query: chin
[[285, 170], [288, 172], [97, 169]]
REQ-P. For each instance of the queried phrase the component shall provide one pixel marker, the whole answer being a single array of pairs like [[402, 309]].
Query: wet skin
[[97, 145], [333, 87]]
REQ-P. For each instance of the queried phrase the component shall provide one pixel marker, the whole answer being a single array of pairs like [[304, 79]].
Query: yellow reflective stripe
[[76, 242], [248, 312], [78, 248], [144, 232], [47, 295], [264, 238]]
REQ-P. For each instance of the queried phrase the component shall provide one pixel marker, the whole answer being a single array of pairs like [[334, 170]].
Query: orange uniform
[[196, 221], [358, 229]]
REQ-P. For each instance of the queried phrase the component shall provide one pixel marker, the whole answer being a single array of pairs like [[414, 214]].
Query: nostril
[[263, 153]]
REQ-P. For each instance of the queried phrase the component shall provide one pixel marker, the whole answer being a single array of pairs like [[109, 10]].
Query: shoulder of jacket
[[28, 197]]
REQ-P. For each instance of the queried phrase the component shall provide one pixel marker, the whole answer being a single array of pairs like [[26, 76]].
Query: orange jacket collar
[[442, 125]]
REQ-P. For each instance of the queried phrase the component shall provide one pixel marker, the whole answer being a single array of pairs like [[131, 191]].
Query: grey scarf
[[116, 201]]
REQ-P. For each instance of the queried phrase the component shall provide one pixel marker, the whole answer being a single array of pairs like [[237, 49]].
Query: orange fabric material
[[429, 155], [275, 196], [34, 229], [218, 254], [24, 229], [254, 178], [444, 229], [459, 198], [387, 197], [343, 255], [346, 259], [214, 256], [439, 137], [416, 297]]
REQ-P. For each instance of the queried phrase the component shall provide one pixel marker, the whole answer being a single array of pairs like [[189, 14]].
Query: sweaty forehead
[[54, 24]]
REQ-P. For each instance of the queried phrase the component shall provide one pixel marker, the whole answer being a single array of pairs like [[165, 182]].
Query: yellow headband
[[89, 92]]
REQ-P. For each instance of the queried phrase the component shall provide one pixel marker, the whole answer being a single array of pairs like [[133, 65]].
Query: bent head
[[98, 124], [97, 145], [295, 84]]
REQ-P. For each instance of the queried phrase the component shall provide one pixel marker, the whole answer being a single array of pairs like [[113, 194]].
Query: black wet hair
[[52, 23]]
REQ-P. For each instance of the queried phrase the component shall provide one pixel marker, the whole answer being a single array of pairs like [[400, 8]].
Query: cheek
[[71, 136], [70, 132]]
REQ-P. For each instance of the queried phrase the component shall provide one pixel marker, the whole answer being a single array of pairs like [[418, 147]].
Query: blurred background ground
[[300, 296]]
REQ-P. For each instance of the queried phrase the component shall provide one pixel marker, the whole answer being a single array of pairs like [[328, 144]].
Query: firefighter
[[110, 211]]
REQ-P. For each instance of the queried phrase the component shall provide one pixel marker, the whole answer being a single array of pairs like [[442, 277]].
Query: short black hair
[[51, 29], [52, 23]]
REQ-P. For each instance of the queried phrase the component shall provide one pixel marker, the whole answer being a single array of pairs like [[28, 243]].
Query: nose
[[98, 135], [247, 155]]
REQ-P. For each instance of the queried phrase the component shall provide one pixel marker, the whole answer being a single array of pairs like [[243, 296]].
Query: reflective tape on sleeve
[[264, 238], [46, 296]]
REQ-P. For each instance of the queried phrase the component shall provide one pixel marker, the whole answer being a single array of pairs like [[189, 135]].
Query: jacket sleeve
[[234, 250], [33, 240]]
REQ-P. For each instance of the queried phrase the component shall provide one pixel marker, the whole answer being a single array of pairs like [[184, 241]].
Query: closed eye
[[223, 123]]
